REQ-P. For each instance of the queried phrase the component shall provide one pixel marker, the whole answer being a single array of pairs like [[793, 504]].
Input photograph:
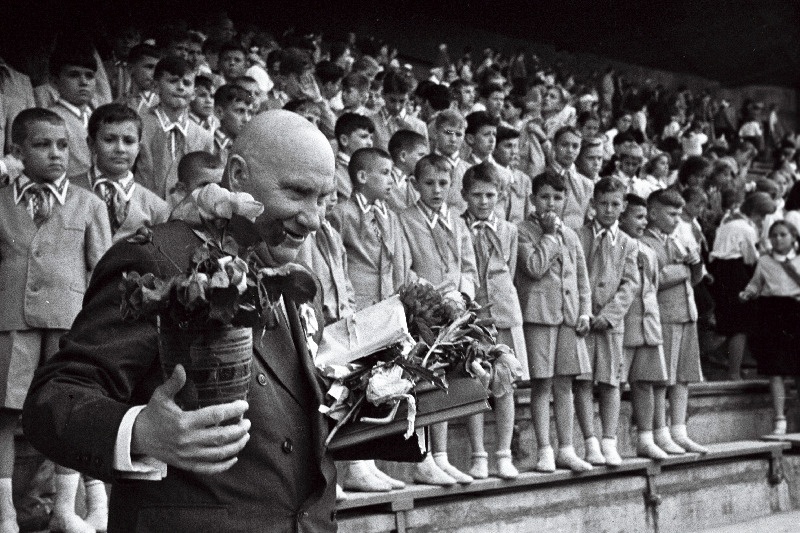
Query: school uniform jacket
[[144, 208], [552, 281], [615, 283], [458, 167], [156, 167], [386, 126], [16, 94], [377, 266], [403, 194], [496, 289], [344, 187], [442, 255], [80, 157], [282, 482], [577, 198], [43, 271], [515, 202], [324, 253], [675, 293], [643, 320]]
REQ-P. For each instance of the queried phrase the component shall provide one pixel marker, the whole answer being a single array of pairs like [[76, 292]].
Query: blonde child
[[495, 243], [775, 332], [555, 297], [443, 255]]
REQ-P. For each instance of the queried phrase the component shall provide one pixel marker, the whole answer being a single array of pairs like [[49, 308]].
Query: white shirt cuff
[[143, 467]]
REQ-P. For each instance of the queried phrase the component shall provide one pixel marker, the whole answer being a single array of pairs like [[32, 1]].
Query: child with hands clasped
[[611, 264], [775, 335], [556, 298], [679, 270], [495, 244]]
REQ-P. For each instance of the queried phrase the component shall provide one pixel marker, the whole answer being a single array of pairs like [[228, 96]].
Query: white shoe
[[682, 439], [396, 484], [359, 478], [567, 458], [609, 447], [440, 458], [428, 473], [506, 468], [480, 465], [341, 495], [546, 460], [646, 447], [780, 427], [664, 441], [593, 454]]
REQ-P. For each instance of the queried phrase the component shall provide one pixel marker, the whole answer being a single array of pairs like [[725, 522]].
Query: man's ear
[[361, 177], [237, 174]]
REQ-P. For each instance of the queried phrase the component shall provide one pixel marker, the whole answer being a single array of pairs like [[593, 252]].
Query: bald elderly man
[[100, 405]]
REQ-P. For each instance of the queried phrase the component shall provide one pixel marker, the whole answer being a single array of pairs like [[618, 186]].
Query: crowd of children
[[605, 253]]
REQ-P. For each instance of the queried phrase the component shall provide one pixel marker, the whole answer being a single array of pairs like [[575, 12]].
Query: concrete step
[[733, 482], [778, 523]]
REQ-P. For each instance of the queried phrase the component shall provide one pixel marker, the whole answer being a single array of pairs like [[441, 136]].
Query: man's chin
[[283, 253]]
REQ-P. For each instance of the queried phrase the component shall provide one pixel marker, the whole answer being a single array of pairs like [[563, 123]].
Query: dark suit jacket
[[282, 481]]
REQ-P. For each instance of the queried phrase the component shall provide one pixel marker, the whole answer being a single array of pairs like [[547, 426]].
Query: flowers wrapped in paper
[[407, 362]]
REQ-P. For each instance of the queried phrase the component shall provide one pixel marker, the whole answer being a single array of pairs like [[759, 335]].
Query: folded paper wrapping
[[364, 333], [360, 440]]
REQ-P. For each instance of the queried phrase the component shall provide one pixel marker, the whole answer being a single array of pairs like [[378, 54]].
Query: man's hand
[[191, 440]]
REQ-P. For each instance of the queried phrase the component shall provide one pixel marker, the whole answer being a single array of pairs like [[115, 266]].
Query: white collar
[[222, 140], [475, 224], [782, 258], [562, 170], [452, 159], [58, 188], [82, 113], [168, 125], [343, 158], [434, 217], [123, 186], [400, 177], [597, 230], [378, 206]]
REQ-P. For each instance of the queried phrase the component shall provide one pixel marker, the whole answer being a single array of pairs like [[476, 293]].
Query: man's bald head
[[288, 165]]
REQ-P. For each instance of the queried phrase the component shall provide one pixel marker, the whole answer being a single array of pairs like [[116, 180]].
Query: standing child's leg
[[643, 409], [64, 519], [609, 415], [360, 478], [8, 515], [778, 389], [96, 503], [428, 472], [584, 409], [479, 468], [564, 413], [504, 421], [736, 346], [661, 434], [439, 447], [540, 415], [679, 404]]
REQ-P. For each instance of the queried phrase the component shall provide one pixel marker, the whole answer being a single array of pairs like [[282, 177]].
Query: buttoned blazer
[[80, 157], [552, 281], [344, 187], [612, 295], [515, 202], [283, 481], [383, 130], [447, 260], [144, 208], [675, 294], [643, 320], [577, 198], [156, 169], [44, 270], [377, 266]]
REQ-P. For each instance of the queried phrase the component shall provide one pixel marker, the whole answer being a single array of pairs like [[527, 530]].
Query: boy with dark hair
[[481, 137], [463, 94], [394, 115], [195, 170], [330, 77], [201, 109], [447, 141], [566, 147], [73, 73], [232, 61], [232, 108], [113, 134], [611, 265], [141, 95], [51, 238], [353, 132], [556, 302], [167, 132], [254, 91], [406, 148], [495, 244], [643, 361], [444, 256], [678, 272], [514, 204], [492, 97]]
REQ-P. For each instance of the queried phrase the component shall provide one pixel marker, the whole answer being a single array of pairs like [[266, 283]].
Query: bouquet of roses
[[444, 335]]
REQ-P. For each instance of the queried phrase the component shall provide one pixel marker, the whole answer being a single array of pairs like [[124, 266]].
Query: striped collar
[[123, 186], [378, 205], [58, 188]]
